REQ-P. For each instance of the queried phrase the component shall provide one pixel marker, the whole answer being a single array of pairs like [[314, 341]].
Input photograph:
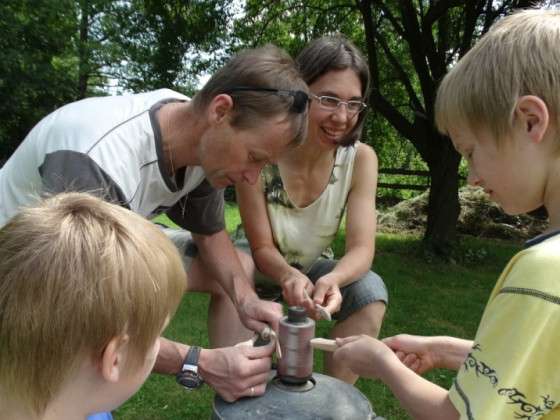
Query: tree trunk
[[83, 67], [443, 202]]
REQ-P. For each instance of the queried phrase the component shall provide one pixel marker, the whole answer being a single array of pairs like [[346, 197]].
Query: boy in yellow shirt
[[500, 105], [86, 288]]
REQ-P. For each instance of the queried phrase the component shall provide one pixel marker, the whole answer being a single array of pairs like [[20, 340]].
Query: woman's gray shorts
[[367, 289]]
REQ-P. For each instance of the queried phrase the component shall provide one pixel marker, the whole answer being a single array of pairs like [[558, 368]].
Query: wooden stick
[[323, 312], [323, 344]]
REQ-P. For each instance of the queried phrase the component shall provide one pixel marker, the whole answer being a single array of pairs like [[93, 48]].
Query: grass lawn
[[426, 297]]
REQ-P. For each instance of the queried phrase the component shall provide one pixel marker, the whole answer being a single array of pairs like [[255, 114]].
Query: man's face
[[229, 155]]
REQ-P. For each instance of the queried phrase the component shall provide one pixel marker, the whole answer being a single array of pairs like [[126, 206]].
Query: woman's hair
[[76, 272], [267, 67], [333, 53]]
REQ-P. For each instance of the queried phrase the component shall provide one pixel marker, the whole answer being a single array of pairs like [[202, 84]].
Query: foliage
[[410, 44], [56, 51], [164, 44], [37, 64]]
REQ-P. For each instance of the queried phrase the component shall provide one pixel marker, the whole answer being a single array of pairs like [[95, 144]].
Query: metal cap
[[296, 315]]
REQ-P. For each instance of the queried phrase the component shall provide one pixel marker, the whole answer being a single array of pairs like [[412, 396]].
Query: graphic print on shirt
[[525, 410]]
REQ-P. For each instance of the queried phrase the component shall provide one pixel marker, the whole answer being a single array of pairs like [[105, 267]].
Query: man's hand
[[235, 372], [256, 314]]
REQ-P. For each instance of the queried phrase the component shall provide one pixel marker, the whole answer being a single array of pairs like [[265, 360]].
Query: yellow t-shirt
[[512, 371]]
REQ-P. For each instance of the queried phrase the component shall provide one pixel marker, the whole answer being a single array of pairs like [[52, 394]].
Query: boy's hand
[[422, 354], [235, 372], [364, 355], [414, 351]]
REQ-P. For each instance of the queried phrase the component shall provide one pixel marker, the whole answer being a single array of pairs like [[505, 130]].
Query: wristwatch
[[188, 376]]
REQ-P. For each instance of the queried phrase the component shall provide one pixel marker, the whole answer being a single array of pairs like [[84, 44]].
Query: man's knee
[[248, 266]]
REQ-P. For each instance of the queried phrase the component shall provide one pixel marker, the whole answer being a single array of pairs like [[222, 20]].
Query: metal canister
[[295, 332], [321, 398]]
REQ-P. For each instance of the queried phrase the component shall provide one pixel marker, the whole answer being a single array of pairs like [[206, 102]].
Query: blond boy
[[86, 288], [500, 105]]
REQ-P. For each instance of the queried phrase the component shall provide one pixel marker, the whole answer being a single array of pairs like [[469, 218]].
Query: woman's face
[[328, 127]]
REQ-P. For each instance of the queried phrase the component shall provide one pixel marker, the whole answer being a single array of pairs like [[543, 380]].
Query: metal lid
[[297, 315]]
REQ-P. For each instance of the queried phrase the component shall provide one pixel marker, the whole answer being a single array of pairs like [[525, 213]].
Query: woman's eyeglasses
[[332, 103]]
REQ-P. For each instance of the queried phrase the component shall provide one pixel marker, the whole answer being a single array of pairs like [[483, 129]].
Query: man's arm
[[230, 371], [220, 258]]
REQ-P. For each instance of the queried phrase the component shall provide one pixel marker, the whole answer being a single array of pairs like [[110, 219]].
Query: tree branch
[[402, 76], [417, 51]]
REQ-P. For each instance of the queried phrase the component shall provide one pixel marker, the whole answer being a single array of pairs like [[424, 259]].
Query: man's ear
[[113, 360], [219, 108], [532, 112]]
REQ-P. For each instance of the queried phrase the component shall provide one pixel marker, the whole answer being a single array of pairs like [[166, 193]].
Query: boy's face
[[512, 174], [132, 380]]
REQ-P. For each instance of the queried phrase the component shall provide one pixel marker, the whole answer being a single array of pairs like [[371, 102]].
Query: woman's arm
[[268, 259], [361, 220]]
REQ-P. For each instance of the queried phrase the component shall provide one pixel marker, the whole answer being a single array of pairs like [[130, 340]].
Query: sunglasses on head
[[299, 104]]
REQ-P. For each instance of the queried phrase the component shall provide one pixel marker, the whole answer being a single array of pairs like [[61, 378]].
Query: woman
[[293, 214]]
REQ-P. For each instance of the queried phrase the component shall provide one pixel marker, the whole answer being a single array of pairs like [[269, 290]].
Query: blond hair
[[75, 272], [266, 67], [518, 56]]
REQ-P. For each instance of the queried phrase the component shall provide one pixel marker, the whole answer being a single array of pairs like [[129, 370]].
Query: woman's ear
[[532, 112], [219, 108], [113, 360]]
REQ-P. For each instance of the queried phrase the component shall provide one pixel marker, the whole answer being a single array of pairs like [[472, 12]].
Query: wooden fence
[[407, 172]]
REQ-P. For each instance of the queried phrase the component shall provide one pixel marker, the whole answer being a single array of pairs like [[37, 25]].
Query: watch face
[[189, 380]]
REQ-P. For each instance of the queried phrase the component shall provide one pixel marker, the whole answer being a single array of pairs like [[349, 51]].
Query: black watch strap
[[188, 376], [191, 358]]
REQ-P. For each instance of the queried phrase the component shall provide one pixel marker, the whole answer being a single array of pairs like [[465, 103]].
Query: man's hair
[[519, 55], [267, 67], [333, 53], [75, 272]]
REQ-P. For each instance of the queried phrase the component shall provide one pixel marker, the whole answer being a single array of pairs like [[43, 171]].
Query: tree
[[56, 51], [37, 64], [164, 44], [410, 45]]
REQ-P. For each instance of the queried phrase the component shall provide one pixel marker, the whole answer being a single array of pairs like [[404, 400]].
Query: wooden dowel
[[323, 344]]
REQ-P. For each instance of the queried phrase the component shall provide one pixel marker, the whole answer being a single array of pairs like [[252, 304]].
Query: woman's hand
[[296, 289], [327, 294]]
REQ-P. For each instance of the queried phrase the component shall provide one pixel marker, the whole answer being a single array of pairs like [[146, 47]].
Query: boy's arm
[[371, 358], [422, 354]]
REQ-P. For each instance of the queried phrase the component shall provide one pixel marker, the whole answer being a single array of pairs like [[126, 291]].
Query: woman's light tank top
[[302, 233]]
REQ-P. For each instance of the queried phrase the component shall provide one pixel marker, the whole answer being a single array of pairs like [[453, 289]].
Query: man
[[160, 152]]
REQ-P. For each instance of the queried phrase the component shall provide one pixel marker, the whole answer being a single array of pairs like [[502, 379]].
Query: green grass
[[427, 297]]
